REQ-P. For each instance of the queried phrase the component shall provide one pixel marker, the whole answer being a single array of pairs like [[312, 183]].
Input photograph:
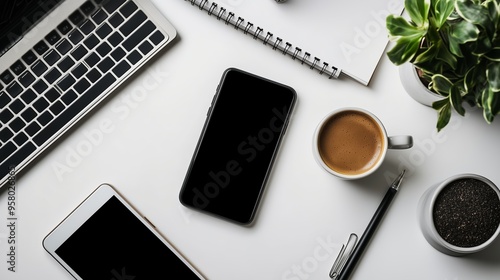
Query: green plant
[[456, 45]]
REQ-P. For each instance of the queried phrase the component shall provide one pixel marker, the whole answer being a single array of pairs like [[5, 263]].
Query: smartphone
[[105, 238], [245, 124]]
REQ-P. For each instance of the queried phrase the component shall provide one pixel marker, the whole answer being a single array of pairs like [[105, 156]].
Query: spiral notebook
[[332, 37]]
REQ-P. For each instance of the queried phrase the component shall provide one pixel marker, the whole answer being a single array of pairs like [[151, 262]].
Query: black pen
[[342, 268]]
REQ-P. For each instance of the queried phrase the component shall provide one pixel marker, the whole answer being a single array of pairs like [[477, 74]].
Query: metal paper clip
[[344, 254]]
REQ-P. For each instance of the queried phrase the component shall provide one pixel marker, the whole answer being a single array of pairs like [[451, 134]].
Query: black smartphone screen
[[237, 146]]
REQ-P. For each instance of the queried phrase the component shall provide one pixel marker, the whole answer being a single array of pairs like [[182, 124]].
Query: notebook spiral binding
[[267, 38]]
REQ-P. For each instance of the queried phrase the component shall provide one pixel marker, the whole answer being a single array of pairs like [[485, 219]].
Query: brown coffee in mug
[[351, 142]]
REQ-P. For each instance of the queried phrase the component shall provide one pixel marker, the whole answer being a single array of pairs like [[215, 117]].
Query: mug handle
[[400, 142]]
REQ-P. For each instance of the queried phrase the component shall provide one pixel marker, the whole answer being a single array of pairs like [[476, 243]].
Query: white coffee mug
[[352, 143]]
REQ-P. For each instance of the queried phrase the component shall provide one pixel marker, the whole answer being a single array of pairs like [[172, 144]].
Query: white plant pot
[[426, 220], [414, 87]]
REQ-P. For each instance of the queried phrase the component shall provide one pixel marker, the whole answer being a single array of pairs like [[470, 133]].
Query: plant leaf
[[474, 12], [488, 99], [464, 31], [418, 10], [441, 84], [456, 97], [454, 46], [445, 55], [442, 10], [404, 50], [444, 113], [398, 26], [494, 54], [493, 75]]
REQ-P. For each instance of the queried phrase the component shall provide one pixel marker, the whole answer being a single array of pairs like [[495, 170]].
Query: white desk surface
[[149, 129]]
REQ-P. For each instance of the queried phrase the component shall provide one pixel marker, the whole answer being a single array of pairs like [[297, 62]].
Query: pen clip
[[344, 254]]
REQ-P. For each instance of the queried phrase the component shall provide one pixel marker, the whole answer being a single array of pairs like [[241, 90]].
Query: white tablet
[[105, 238]]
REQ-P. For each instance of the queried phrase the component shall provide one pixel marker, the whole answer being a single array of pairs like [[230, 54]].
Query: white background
[[145, 134]]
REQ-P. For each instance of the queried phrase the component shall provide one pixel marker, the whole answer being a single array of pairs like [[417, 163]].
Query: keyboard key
[[69, 97], [92, 59], [51, 57], [134, 57], [66, 82], [99, 16], [115, 39], [64, 27], [16, 157], [118, 54], [103, 49], [105, 65], [79, 70], [128, 9], [93, 75], [4, 99], [32, 129], [145, 47], [53, 37], [79, 52], [45, 118], [103, 31], [39, 68], [18, 67], [57, 108], [91, 42], [17, 106], [40, 48], [17, 124], [81, 86], [14, 89], [5, 134], [20, 139], [157, 37], [75, 36], [5, 116], [115, 20], [121, 68], [63, 47], [6, 76], [52, 75], [87, 27], [111, 5], [76, 17], [66, 64], [139, 35], [74, 109], [41, 104], [28, 115], [28, 96], [133, 23], [51, 95], [26, 79], [29, 57], [40, 86], [87, 8]]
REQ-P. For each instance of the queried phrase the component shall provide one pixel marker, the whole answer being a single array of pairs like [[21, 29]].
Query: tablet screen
[[114, 244]]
